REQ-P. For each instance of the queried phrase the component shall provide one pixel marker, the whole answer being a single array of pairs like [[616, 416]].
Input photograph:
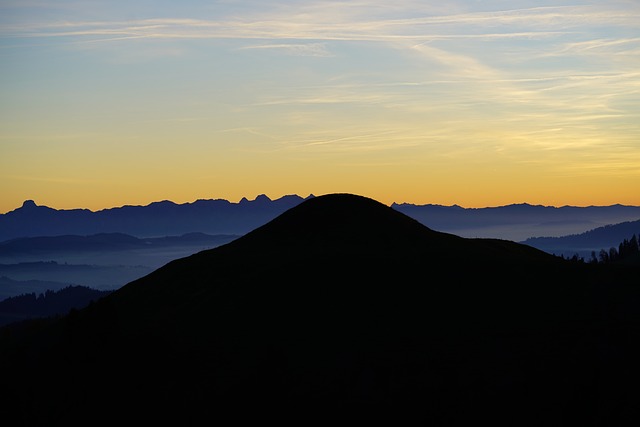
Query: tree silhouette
[[627, 248]]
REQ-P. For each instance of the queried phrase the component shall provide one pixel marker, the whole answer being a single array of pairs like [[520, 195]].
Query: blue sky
[[476, 103]]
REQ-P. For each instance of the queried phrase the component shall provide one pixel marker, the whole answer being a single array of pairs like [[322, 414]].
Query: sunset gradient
[[475, 103]]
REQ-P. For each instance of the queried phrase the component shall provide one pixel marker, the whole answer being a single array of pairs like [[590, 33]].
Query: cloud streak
[[340, 23], [295, 49]]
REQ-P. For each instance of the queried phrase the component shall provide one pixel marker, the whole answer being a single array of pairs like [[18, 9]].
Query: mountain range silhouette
[[162, 218], [515, 222], [341, 310]]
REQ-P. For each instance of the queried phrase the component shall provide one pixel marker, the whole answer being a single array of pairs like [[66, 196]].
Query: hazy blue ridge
[[515, 222], [583, 244], [157, 219]]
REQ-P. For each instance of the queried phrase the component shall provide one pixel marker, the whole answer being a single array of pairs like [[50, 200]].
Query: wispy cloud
[[340, 22], [464, 65], [620, 46], [296, 49], [355, 140]]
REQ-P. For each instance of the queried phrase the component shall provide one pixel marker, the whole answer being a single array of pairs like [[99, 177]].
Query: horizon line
[[245, 199]]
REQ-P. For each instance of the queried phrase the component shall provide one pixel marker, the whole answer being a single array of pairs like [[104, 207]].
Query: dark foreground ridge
[[341, 310]]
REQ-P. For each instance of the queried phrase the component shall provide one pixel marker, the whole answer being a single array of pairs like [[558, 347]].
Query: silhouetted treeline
[[627, 249], [49, 303]]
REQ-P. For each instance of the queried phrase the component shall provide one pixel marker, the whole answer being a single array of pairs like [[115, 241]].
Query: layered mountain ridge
[[218, 216], [163, 218], [342, 307]]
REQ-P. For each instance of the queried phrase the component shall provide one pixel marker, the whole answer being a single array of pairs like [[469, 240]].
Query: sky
[[475, 103]]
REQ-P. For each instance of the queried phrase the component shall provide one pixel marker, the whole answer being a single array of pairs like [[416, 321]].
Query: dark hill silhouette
[[49, 303], [341, 310]]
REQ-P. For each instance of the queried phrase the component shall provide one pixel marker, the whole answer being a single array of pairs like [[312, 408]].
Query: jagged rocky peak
[[262, 198]]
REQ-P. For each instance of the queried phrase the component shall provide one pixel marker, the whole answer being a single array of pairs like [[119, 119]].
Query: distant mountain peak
[[29, 204], [160, 218], [262, 198]]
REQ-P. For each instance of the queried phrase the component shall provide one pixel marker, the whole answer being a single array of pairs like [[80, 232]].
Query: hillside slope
[[342, 307], [46, 304]]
